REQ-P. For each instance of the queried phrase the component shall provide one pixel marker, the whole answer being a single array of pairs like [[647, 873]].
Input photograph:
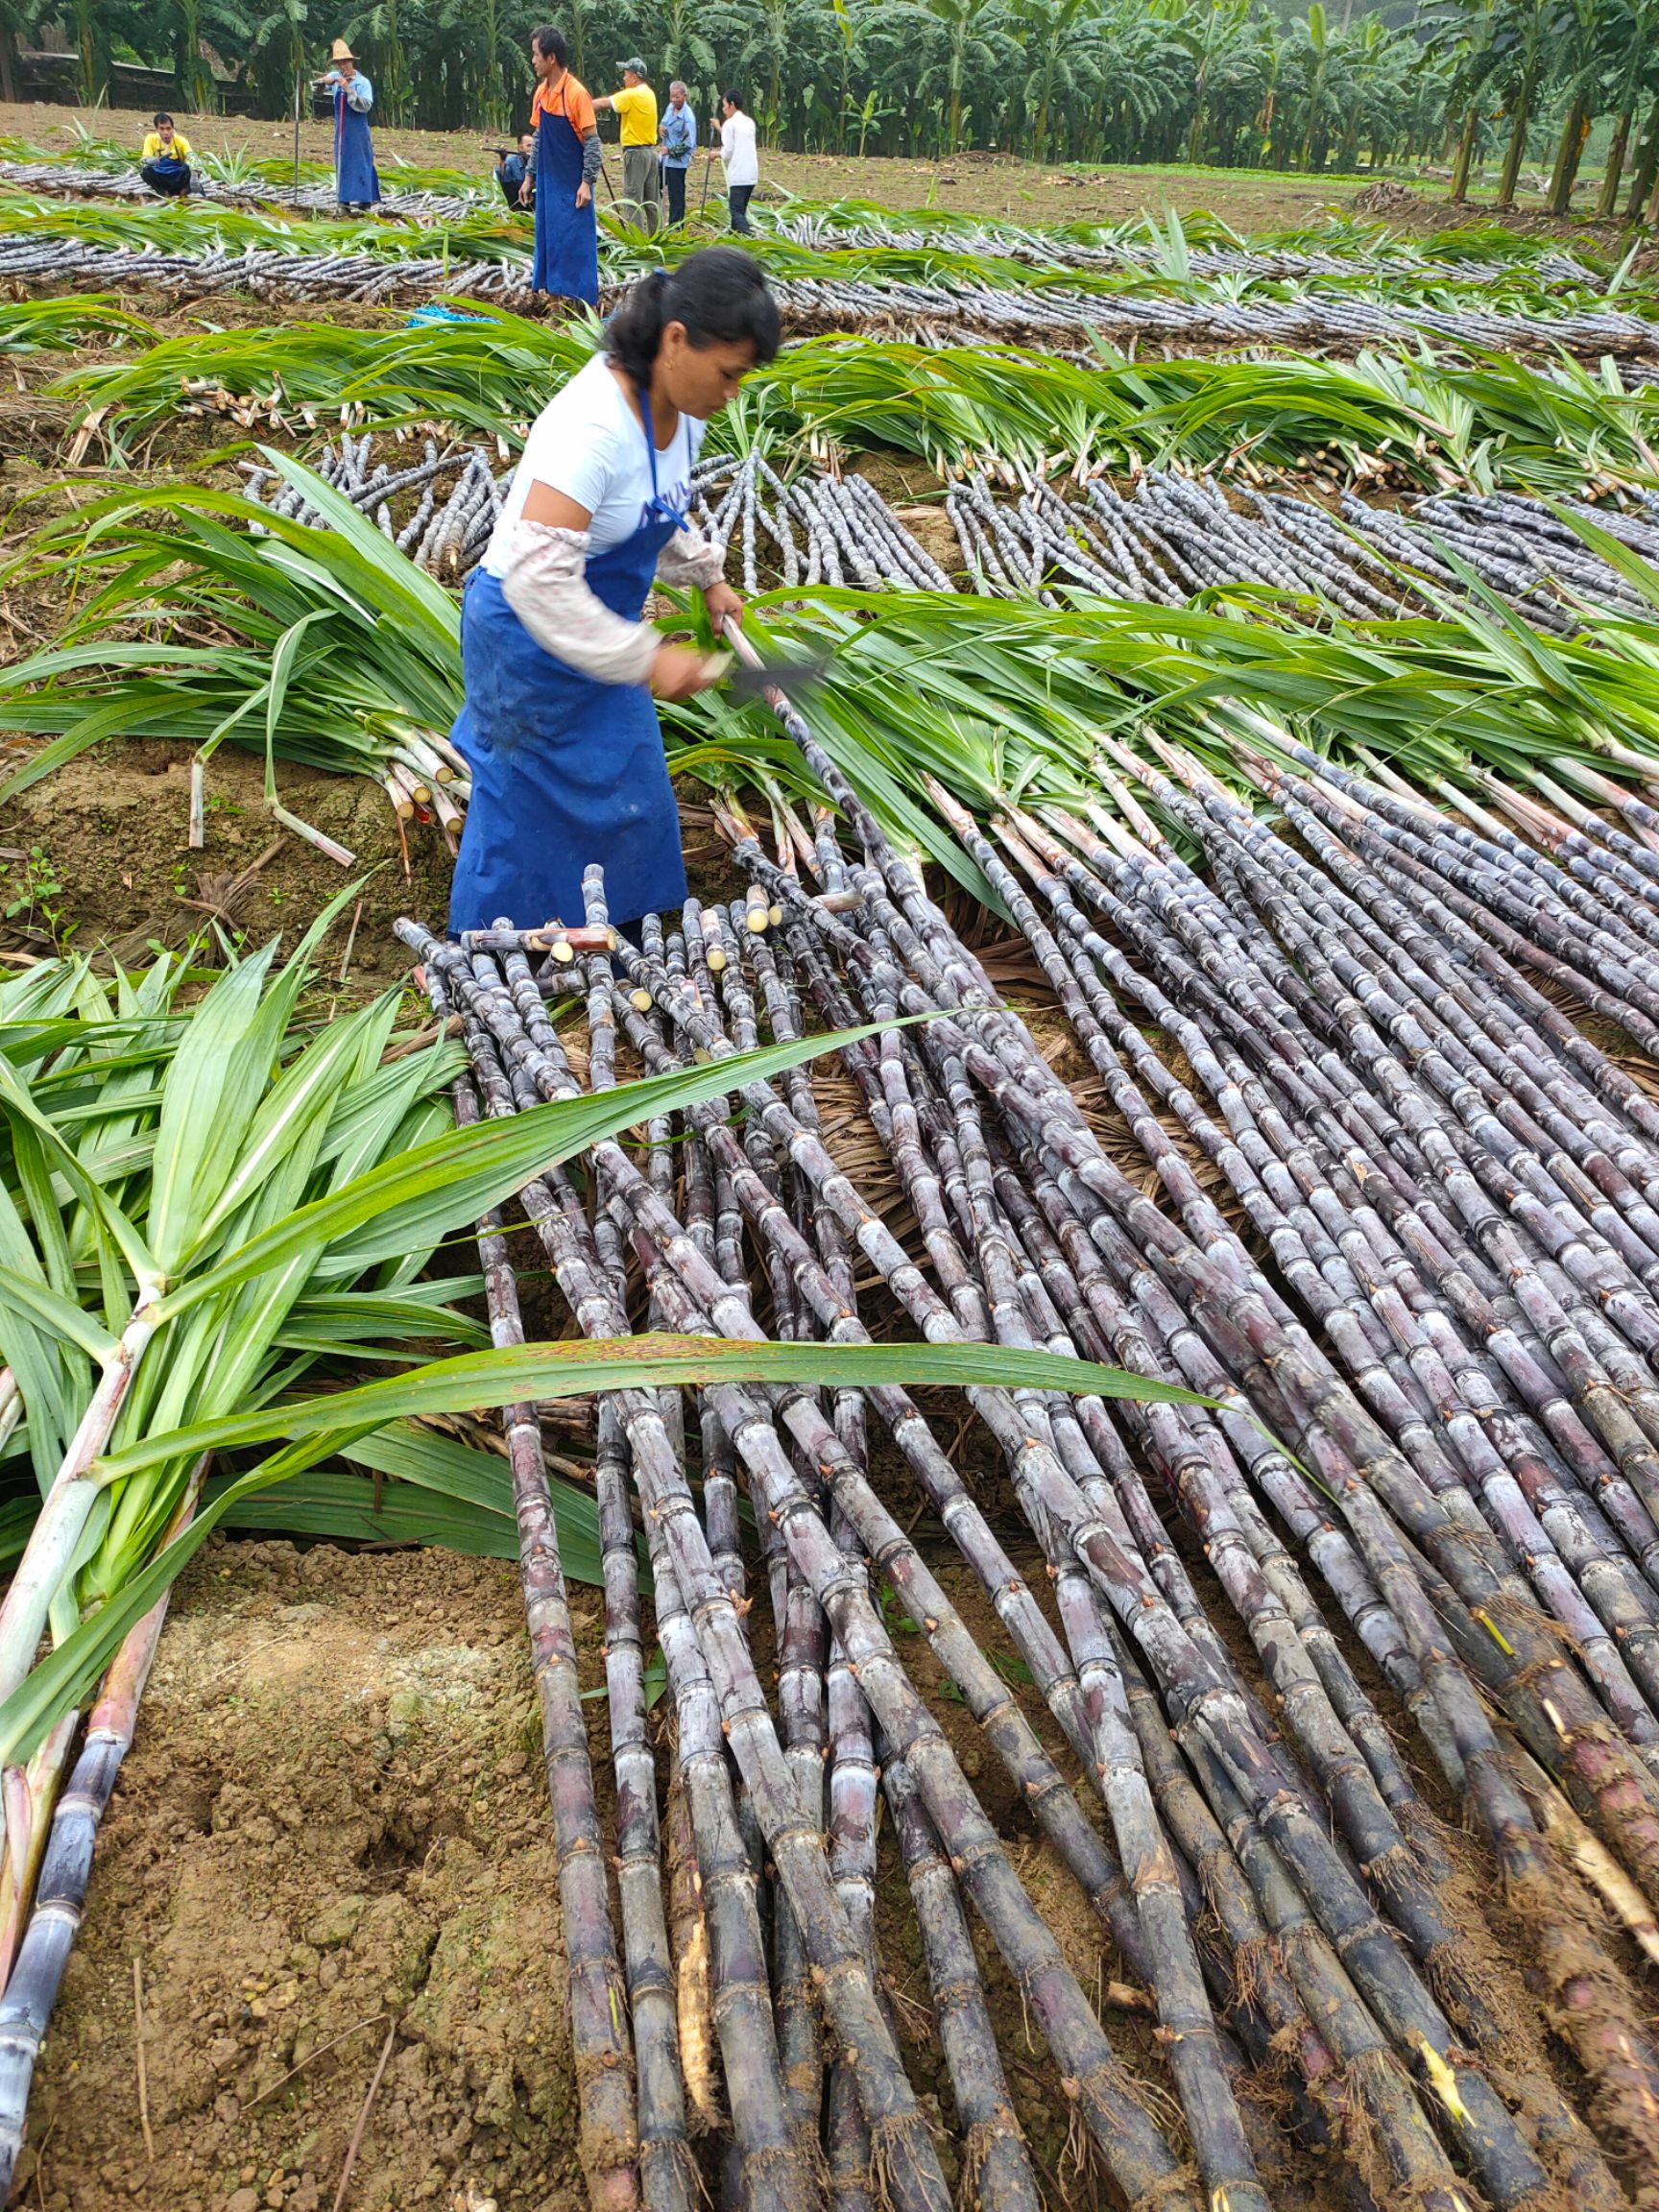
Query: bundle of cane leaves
[[489, 375], [197, 226], [1000, 697], [56, 325], [1439, 420], [200, 616]]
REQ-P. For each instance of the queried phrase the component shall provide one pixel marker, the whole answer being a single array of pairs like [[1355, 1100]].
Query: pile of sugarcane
[[821, 527], [446, 534], [1172, 536], [1176, 534], [815, 528], [1393, 1217]]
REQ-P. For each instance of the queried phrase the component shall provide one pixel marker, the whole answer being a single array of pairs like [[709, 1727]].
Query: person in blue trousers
[[564, 160], [678, 140], [560, 671], [356, 184]]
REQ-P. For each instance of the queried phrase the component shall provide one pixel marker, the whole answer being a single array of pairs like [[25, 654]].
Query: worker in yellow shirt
[[164, 158], [636, 105]]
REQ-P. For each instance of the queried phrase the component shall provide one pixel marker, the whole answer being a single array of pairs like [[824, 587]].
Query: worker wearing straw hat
[[356, 184], [635, 107], [564, 159]]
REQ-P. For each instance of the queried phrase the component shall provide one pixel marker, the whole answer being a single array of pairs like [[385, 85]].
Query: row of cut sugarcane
[[1176, 535], [80, 178], [944, 269], [1429, 1418], [1173, 535], [1203, 245], [446, 537], [938, 311]]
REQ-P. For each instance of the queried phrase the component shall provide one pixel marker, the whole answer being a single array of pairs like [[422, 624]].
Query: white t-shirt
[[587, 444], [738, 155]]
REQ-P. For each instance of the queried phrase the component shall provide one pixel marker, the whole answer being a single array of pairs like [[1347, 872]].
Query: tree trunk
[[1607, 205], [1647, 167], [1465, 155], [1567, 158], [1513, 157], [8, 65]]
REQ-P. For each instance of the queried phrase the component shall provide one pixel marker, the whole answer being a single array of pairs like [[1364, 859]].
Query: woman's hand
[[584, 193], [678, 673], [723, 605]]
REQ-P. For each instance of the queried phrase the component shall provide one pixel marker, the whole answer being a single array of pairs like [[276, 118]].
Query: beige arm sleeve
[[690, 560], [545, 584]]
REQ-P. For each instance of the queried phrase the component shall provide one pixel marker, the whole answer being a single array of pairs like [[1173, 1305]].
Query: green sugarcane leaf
[[16, 1103], [211, 1092], [578, 1369], [439, 1464], [399, 579], [343, 1506], [17, 1517], [290, 1117], [282, 664], [60, 1316], [421, 1195]]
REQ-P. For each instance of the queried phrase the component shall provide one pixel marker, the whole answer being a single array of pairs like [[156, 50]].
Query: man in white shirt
[[738, 158]]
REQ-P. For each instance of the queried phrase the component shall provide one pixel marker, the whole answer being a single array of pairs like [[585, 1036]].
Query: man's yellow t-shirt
[[155, 151], [636, 106]]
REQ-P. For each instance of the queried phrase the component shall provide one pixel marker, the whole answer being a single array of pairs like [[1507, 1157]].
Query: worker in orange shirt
[[564, 160]]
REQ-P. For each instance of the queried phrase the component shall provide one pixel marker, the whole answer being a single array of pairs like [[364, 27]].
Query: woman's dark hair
[[156, 121], [720, 295], [551, 44], [735, 98]]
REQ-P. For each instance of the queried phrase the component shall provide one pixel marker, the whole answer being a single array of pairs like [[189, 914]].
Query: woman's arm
[[545, 584]]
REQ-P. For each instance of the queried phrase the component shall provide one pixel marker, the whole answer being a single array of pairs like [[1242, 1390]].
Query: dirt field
[[973, 184]]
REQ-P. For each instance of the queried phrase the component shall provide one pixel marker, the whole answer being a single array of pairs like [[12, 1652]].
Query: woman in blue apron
[[559, 727], [356, 182], [566, 157]]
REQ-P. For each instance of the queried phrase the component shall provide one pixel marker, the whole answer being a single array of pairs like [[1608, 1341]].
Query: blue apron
[[565, 771], [355, 181], [566, 236]]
